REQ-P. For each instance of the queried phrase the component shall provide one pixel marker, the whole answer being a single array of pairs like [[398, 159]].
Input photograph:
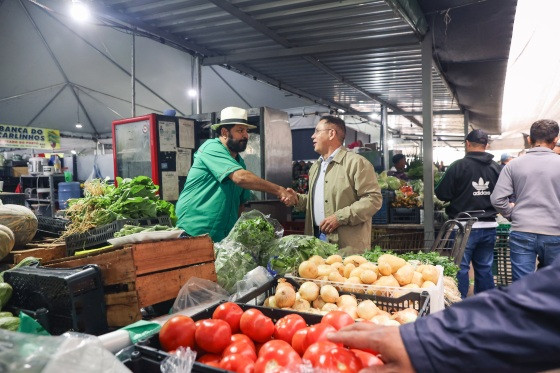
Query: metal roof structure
[[347, 55], [351, 55]]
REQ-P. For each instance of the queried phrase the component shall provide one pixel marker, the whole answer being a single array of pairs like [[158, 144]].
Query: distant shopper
[[399, 166], [218, 183], [343, 191], [534, 179], [504, 159], [467, 184]]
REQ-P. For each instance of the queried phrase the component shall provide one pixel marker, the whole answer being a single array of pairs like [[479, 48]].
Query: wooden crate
[[143, 274], [47, 249]]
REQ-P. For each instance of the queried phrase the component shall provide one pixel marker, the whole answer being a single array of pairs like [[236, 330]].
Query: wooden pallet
[[143, 274], [46, 249]]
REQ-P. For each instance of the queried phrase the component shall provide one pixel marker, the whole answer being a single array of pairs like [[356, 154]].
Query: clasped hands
[[289, 197]]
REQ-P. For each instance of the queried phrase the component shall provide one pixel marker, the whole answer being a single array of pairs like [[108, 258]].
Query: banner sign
[[28, 137]]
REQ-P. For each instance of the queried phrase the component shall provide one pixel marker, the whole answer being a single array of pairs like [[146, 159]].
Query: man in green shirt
[[218, 183]]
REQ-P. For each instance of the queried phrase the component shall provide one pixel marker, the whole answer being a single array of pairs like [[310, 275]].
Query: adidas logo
[[481, 188]]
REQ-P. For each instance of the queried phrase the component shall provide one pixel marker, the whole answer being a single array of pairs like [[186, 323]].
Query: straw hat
[[233, 115]]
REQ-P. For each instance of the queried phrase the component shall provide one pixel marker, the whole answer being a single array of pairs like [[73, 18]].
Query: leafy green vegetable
[[253, 233], [375, 253], [393, 182], [433, 258], [232, 263], [128, 229], [290, 251]]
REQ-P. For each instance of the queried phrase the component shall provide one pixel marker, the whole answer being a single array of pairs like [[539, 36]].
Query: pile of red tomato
[[249, 342]]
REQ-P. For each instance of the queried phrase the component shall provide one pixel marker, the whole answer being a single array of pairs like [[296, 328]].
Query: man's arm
[[502, 191], [248, 180]]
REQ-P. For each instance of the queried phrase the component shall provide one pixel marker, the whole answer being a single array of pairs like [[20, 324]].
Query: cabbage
[[383, 184], [393, 182]]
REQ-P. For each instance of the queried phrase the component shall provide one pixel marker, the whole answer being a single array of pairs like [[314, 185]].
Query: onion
[[285, 296], [333, 259], [324, 270], [428, 284], [317, 259], [351, 310], [329, 294], [338, 267], [301, 305], [328, 307], [353, 289], [405, 316], [347, 300], [367, 309], [309, 291], [380, 319], [391, 323], [319, 303], [308, 269], [270, 302], [356, 272]]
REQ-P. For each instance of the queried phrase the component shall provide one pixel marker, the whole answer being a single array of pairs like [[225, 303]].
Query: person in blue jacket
[[511, 329]]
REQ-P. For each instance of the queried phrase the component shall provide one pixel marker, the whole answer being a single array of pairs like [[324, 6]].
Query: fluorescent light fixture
[[73, 152], [79, 11], [192, 92], [79, 125]]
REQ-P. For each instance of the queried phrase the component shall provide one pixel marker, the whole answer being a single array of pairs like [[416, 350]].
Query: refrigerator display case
[[156, 146]]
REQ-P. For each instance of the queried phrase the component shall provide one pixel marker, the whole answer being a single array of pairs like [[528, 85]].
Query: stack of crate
[[502, 262]]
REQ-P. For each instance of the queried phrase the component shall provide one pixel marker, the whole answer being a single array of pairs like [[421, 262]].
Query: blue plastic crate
[[382, 216]]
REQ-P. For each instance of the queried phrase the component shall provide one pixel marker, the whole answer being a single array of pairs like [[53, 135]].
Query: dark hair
[[397, 158], [226, 126], [338, 123], [544, 130]]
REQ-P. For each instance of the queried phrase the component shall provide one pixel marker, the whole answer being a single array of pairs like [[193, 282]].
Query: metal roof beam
[[263, 54]]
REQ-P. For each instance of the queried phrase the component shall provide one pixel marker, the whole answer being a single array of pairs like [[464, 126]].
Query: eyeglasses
[[326, 129]]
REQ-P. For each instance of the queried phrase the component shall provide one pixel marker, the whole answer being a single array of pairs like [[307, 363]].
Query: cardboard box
[[19, 171], [143, 274]]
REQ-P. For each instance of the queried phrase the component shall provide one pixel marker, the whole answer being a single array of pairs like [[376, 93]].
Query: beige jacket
[[352, 194]]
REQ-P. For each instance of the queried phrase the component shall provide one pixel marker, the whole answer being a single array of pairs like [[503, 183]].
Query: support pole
[[198, 73], [133, 74], [384, 140], [427, 143]]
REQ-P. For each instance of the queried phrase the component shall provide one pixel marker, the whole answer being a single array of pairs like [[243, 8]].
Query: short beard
[[236, 146]]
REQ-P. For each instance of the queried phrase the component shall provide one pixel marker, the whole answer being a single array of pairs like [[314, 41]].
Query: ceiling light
[[73, 152], [79, 11], [79, 125], [192, 92]]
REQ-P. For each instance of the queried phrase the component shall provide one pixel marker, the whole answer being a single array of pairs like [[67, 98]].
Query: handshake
[[288, 196]]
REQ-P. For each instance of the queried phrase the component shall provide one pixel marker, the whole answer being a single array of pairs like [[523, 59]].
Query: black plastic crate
[[404, 215], [100, 235], [69, 299], [382, 216], [12, 198], [51, 226]]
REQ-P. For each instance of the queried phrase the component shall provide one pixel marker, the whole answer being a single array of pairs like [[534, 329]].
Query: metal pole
[[427, 121], [198, 67], [384, 140], [133, 73]]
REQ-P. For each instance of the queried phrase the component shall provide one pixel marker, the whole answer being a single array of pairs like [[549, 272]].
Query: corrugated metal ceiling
[[350, 54]]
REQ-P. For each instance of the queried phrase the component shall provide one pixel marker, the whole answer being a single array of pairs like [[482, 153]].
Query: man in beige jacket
[[343, 191]]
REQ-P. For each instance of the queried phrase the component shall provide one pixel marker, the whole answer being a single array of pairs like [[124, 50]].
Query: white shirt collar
[[331, 157]]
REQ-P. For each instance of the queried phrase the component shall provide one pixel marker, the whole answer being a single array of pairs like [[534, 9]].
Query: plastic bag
[[181, 361], [198, 291], [251, 281], [255, 231], [232, 262], [70, 352]]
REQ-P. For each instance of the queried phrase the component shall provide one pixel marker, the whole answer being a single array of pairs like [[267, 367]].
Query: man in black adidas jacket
[[467, 184]]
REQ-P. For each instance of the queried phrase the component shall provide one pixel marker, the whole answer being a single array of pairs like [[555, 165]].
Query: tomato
[[213, 335], [177, 331], [287, 326], [209, 358], [256, 326], [317, 333], [237, 363], [338, 319], [298, 340], [230, 313], [240, 348], [243, 338], [328, 356], [276, 355], [368, 359]]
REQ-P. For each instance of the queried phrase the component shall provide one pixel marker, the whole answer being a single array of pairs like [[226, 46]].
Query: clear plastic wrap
[[232, 262], [251, 281], [254, 231], [198, 291], [181, 361], [70, 352]]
